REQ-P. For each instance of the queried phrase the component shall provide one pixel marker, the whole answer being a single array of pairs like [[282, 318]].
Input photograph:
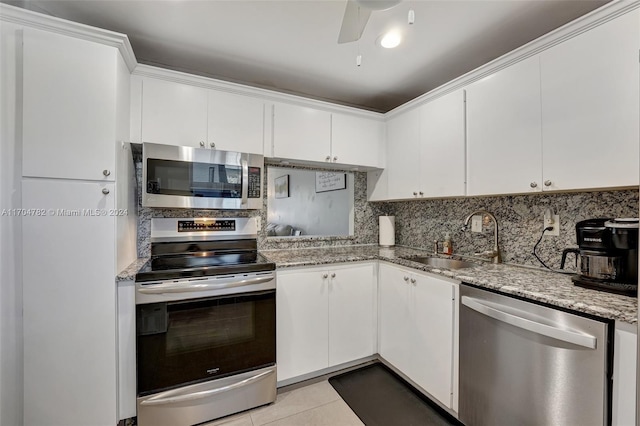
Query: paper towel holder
[[386, 231]]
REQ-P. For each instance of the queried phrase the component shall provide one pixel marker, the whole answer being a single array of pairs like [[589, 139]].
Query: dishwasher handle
[[569, 336]]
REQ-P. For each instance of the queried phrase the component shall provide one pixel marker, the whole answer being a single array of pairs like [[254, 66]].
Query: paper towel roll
[[387, 231]]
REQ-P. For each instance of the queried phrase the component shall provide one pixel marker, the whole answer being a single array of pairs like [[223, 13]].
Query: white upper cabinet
[[236, 122], [174, 113], [312, 135], [590, 107], [69, 110], [356, 140], [301, 133], [442, 146], [426, 150], [504, 131], [186, 115], [403, 155]]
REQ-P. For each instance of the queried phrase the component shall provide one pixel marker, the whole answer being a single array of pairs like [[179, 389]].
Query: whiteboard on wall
[[330, 181]]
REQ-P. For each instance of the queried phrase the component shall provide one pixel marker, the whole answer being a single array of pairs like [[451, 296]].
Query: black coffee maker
[[607, 257]]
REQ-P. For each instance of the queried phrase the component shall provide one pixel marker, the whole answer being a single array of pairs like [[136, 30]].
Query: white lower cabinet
[[326, 316], [624, 375], [416, 328], [69, 296]]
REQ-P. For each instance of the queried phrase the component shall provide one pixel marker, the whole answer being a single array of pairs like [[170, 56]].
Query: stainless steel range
[[206, 322]]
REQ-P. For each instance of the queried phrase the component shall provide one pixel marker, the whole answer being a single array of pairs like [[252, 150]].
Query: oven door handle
[[168, 398], [191, 286]]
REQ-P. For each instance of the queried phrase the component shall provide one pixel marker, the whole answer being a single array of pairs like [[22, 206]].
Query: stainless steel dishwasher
[[526, 364]]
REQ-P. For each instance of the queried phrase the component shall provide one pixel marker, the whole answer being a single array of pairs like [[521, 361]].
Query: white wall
[[11, 366], [322, 213]]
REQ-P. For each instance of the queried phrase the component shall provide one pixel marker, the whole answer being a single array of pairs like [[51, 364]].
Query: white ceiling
[[291, 46]]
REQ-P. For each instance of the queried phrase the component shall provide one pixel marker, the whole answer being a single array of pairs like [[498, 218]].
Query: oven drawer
[[210, 400]]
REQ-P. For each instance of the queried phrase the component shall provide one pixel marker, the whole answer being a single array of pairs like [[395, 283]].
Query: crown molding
[[39, 21], [173, 76], [578, 26]]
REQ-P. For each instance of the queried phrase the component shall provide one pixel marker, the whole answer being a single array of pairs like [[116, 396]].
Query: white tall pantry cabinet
[[77, 181]]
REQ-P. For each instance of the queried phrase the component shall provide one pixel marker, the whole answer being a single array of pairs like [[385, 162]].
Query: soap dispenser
[[447, 247]]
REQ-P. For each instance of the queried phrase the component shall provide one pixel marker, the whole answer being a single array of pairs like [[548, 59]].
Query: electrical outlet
[[476, 223], [552, 220]]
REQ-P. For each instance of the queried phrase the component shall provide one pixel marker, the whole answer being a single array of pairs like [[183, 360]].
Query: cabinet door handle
[[335, 159], [333, 275], [202, 143], [533, 184], [421, 193], [106, 172], [105, 191], [406, 278], [547, 183], [325, 276], [413, 280], [415, 194], [212, 145]]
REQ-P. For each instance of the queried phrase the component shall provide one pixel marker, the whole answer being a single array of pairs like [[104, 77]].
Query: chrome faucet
[[494, 254]]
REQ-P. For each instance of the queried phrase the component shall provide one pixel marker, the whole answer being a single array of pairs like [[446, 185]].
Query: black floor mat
[[380, 398]]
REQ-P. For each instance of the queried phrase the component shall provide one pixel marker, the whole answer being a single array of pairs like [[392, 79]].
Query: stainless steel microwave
[[200, 178]]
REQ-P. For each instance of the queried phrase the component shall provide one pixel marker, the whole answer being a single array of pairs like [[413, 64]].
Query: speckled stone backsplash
[[365, 218], [419, 223], [520, 222]]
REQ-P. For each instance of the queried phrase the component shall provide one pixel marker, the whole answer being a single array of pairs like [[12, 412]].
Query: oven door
[[191, 341], [184, 177]]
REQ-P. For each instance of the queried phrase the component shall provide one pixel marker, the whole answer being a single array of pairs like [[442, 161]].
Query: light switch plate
[[476, 223]]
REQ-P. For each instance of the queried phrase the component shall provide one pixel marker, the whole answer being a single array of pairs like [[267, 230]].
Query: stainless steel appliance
[[206, 322], [526, 364], [608, 255], [184, 177]]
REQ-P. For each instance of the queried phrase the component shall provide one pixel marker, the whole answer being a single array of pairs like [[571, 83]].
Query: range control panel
[[206, 225]]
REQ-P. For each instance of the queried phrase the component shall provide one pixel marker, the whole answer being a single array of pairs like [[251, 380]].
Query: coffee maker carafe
[[608, 255]]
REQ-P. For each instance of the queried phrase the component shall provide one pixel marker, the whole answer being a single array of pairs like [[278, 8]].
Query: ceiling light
[[390, 40]]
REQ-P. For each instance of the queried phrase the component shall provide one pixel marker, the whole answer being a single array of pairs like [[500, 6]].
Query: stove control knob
[[105, 191]]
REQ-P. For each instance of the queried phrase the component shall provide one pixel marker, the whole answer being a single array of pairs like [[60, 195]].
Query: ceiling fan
[[356, 16]]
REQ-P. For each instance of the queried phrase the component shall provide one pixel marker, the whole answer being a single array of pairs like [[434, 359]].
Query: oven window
[[192, 179], [186, 342]]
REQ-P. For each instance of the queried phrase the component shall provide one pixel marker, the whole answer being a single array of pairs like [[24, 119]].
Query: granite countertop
[[129, 273], [528, 282]]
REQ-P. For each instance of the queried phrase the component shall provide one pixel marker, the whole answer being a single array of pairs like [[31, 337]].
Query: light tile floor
[[316, 404]]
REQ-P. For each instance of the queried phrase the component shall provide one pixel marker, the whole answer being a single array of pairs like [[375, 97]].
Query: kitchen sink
[[439, 262]]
